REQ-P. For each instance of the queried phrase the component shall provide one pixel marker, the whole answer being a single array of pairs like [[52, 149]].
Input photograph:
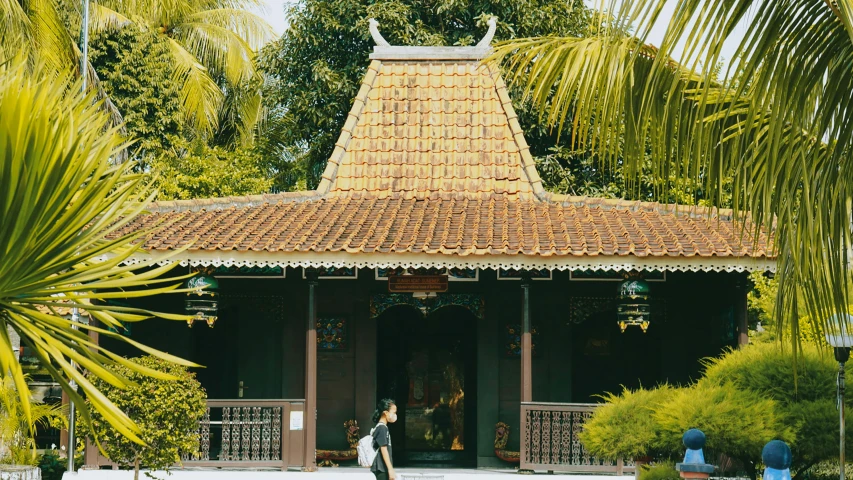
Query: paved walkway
[[323, 474]]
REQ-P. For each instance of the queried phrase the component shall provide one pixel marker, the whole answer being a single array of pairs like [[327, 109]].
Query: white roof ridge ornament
[[487, 40], [374, 32], [385, 51]]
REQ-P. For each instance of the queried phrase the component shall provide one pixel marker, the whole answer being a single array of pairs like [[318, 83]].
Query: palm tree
[[37, 30], [63, 203], [213, 45], [35, 27], [779, 122]]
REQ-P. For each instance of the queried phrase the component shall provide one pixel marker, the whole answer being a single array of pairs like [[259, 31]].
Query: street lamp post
[[841, 343], [84, 63]]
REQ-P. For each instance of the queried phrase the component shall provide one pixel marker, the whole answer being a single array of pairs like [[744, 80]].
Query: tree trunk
[[19, 472], [136, 468]]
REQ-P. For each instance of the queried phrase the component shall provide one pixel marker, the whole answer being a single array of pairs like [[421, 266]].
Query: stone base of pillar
[[19, 472]]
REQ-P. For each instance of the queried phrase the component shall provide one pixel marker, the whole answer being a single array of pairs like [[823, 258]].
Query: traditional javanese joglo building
[[431, 266]]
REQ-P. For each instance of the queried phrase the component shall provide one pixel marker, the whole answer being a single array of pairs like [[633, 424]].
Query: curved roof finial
[[377, 37], [493, 25]]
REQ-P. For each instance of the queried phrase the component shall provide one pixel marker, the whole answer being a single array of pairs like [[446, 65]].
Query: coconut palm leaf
[[249, 27], [200, 95], [778, 122], [64, 203], [220, 50]]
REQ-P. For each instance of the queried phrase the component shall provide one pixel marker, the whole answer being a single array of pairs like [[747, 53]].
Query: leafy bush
[[166, 409], [805, 396], [662, 471], [827, 471], [624, 427], [53, 466], [736, 421], [17, 434]]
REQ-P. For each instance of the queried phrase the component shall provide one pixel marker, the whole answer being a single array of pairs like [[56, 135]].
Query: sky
[[273, 12]]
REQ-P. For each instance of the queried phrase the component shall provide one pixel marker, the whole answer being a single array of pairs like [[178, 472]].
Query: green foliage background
[[137, 74]]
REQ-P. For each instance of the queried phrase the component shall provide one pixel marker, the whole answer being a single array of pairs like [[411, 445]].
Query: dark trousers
[[381, 475]]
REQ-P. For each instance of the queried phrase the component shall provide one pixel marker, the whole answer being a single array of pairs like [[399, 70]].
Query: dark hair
[[382, 406]]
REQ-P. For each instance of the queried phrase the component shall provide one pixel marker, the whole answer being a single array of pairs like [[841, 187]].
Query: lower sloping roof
[[305, 229]]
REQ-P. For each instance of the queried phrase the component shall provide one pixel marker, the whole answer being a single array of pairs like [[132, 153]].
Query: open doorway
[[428, 365]]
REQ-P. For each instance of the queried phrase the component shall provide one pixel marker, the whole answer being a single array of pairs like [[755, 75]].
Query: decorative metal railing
[[550, 440], [250, 433], [240, 434]]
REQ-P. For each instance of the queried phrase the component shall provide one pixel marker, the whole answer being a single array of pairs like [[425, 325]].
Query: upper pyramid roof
[[426, 125]]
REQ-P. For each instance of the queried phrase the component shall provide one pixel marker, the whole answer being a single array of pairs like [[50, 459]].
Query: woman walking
[[383, 467]]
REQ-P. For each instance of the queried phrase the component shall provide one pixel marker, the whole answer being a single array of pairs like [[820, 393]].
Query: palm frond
[[66, 202], [251, 28], [200, 95], [219, 49], [104, 18]]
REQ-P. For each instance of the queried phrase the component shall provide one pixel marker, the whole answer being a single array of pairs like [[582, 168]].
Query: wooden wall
[[697, 305]]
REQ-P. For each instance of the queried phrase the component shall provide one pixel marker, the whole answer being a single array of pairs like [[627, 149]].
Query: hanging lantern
[[202, 304], [633, 304]]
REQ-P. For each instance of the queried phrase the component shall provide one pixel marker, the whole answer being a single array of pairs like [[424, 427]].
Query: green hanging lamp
[[203, 303], [633, 308]]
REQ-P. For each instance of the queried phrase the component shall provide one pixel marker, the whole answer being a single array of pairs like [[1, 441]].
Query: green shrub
[[624, 427], [827, 471], [662, 471], [166, 411], [805, 397], [736, 421], [53, 466], [768, 369]]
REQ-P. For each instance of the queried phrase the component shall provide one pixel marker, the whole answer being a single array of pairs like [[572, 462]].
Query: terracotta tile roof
[[432, 164], [431, 129], [498, 224]]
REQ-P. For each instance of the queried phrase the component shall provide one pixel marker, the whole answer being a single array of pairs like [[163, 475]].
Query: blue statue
[[777, 460], [694, 465]]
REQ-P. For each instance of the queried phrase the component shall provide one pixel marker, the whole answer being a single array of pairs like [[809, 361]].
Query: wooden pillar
[[741, 306], [310, 418], [526, 342], [63, 433], [91, 455]]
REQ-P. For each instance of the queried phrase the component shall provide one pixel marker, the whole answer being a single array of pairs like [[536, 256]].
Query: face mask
[[392, 417]]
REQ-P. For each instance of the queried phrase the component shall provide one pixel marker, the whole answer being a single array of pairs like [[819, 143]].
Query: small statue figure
[[777, 458], [694, 465]]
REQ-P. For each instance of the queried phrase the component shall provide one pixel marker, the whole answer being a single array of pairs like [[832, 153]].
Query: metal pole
[[72, 414], [84, 44], [841, 415], [75, 313]]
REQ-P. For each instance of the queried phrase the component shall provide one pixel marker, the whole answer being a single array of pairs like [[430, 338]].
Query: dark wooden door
[[429, 366]]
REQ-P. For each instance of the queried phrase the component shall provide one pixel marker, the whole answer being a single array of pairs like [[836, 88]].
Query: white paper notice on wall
[[296, 420]]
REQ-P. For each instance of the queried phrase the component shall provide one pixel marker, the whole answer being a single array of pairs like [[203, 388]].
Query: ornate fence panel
[[550, 440], [239, 434], [248, 433]]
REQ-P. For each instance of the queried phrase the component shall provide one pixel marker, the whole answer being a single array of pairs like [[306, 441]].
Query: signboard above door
[[417, 283]]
